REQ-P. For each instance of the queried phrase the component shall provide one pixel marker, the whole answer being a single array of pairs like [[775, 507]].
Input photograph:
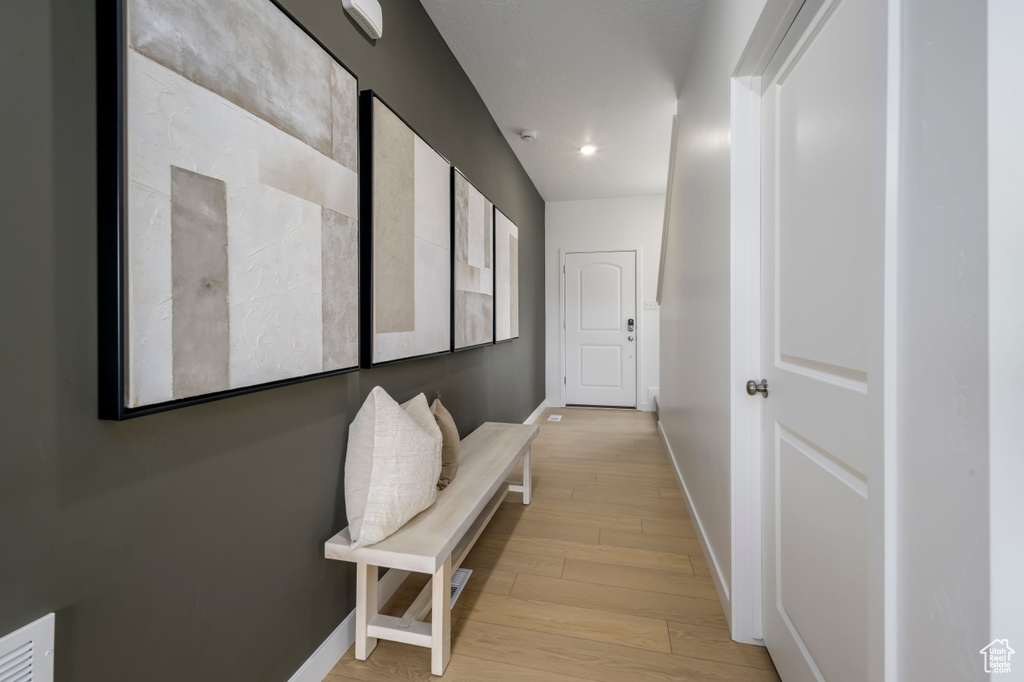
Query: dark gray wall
[[187, 545]]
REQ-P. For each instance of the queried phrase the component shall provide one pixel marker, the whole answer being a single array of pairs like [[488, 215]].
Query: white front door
[[822, 230], [600, 328]]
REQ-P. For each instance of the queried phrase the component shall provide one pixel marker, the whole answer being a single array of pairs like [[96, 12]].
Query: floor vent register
[[459, 579]]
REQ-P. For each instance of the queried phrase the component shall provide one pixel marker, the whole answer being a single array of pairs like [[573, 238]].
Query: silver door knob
[[631, 338], [753, 388]]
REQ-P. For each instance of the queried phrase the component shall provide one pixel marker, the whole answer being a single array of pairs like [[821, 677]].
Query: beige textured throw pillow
[[391, 467], [449, 443]]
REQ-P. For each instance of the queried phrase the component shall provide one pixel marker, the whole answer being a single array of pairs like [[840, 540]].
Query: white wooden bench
[[436, 541]]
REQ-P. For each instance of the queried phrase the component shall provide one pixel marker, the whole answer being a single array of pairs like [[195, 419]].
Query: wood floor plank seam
[[746, 655], [610, 627], [567, 549], [626, 601], [570, 635], [662, 664], [651, 580], [529, 667]]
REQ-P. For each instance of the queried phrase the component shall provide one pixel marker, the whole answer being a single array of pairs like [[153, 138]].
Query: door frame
[[781, 23], [638, 255], [745, 600]]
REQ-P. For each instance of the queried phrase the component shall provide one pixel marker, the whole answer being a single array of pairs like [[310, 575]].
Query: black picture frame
[[113, 344], [366, 190], [456, 170]]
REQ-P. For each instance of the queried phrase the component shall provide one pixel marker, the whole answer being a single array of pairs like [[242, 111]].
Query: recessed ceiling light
[[588, 149]]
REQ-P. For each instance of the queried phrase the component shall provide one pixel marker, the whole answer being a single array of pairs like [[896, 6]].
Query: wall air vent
[[367, 14], [26, 655]]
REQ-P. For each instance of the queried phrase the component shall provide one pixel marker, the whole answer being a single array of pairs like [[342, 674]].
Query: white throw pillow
[[391, 467]]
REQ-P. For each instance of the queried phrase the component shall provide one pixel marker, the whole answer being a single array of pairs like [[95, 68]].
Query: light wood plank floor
[[600, 578]]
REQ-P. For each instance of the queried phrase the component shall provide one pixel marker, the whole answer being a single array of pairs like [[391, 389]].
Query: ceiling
[[600, 72]]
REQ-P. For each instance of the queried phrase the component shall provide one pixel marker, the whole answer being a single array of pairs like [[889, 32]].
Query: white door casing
[[600, 349], [823, 217]]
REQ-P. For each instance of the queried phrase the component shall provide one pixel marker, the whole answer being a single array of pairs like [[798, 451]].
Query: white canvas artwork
[[506, 278], [474, 265], [242, 216], [411, 225]]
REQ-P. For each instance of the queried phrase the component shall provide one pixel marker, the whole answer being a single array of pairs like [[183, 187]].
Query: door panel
[[837, 429], [601, 366], [822, 107], [600, 295], [820, 587], [822, 225], [600, 350]]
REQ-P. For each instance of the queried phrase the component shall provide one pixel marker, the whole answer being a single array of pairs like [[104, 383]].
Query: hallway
[[599, 578]]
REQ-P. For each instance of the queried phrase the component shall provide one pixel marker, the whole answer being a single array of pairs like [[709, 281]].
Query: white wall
[[960, 323], [695, 308], [1006, 320], [942, 588], [631, 223]]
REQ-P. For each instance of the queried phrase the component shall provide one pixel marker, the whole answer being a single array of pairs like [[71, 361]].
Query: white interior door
[[600, 328], [823, 161]]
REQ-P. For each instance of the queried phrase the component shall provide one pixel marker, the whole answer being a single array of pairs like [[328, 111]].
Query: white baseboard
[[721, 585], [536, 413], [327, 655]]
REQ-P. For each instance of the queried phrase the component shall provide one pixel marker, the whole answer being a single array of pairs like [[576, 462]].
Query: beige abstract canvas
[[474, 268], [410, 228], [506, 278], [242, 201]]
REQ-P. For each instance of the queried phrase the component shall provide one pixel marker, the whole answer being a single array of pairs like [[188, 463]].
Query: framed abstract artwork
[[472, 265], [406, 239], [506, 278], [229, 199]]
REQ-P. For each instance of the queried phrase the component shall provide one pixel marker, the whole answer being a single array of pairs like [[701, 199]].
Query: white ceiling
[[601, 72]]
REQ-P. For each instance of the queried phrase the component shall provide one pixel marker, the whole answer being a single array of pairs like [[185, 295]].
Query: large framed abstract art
[[473, 265], [229, 198], [506, 278], [406, 240]]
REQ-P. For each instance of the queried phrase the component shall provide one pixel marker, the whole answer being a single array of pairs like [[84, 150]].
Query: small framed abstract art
[[472, 264], [406, 239], [229, 196], [506, 278]]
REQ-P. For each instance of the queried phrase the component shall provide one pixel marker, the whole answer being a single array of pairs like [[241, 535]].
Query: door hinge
[[565, 381], [563, 269]]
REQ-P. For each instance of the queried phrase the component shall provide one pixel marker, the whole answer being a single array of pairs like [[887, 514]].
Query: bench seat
[[436, 541]]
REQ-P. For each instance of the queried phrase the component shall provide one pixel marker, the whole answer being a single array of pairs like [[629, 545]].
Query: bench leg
[[526, 487], [441, 620], [527, 479], [366, 608]]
